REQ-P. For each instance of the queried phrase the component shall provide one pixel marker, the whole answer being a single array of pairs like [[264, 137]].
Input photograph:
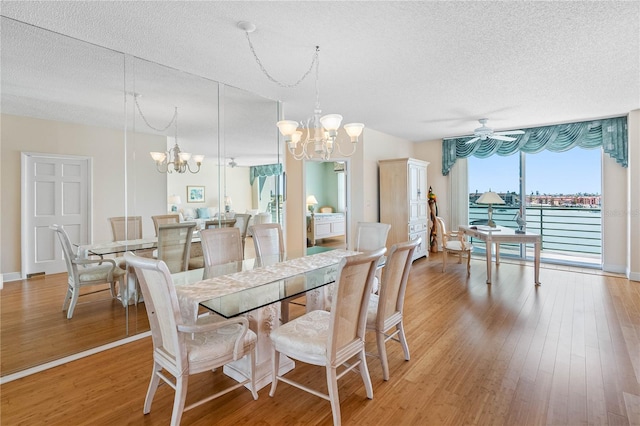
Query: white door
[[55, 190]]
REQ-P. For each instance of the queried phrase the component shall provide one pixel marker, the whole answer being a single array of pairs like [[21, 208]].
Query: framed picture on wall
[[195, 194]]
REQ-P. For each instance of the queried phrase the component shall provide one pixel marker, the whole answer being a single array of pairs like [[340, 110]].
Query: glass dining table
[[255, 289]]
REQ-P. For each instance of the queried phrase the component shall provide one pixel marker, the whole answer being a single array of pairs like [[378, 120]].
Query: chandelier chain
[[314, 60], [173, 119]]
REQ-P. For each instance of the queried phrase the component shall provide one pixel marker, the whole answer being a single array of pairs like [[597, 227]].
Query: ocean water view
[[569, 234]]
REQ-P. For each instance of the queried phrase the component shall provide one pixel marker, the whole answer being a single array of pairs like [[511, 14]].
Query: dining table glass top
[[118, 247], [236, 288]]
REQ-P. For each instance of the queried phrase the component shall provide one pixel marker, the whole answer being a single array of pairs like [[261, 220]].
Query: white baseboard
[[11, 276], [39, 368], [634, 276]]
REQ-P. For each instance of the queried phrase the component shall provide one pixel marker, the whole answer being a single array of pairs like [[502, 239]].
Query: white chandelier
[[173, 160], [318, 136]]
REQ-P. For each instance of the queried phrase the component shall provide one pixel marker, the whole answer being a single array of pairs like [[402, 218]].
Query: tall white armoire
[[403, 201]]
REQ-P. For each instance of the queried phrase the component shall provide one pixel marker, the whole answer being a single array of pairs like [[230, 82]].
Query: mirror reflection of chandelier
[[318, 136], [173, 160]]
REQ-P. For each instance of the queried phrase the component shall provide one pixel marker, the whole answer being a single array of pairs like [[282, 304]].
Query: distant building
[[569, 200]]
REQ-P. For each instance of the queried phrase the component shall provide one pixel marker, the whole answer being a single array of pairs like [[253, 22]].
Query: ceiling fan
[[233, 163], [484, 132]]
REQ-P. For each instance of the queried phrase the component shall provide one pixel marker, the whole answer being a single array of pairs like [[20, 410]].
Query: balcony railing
[[566, 232]]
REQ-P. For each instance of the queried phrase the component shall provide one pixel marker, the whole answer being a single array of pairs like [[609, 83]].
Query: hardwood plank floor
[[567, 352]]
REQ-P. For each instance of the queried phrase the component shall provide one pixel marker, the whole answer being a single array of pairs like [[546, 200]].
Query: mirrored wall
[[66, 99]]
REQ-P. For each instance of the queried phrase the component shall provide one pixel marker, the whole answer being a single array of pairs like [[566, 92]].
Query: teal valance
[[611, 134], [264, 171]]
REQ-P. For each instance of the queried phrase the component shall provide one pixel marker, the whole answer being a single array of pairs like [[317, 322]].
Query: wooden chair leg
[[153, 386], [382, 353], [364, 372], [444, 260], [332, 384], [403, 340], [180, 398]]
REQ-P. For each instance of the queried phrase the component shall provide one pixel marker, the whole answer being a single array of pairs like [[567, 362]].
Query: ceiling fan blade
[[502, 138], [510, 132], [472, 140]]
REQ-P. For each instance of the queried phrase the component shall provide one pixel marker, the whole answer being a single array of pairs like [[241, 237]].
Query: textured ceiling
[[416, 70]]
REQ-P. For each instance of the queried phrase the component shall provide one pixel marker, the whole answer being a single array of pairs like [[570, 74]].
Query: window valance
[[610, 134], [264, 171]]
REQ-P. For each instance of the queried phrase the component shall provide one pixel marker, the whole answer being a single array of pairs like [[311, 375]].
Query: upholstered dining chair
[[269, 246], [126, 227], [164, 219], [242, 223], [372, 236], [174, 245], [219, 223], [454, 242], [332, 339], [182, 350], [386, 308], [220, 246], [103, 271], [268, 242]]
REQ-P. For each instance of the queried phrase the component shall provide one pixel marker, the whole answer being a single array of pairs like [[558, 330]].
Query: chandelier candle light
[[490, 198], [320, 131], [173, 160]]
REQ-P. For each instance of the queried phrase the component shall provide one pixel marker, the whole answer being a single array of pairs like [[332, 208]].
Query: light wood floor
[[567, 352]]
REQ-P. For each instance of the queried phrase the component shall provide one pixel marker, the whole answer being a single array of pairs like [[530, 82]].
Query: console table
[[500, 234]]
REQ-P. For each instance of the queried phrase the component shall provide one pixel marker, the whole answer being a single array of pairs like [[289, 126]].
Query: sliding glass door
[[558, 194]]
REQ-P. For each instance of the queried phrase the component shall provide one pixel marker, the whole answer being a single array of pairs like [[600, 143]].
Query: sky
[[575, 171]]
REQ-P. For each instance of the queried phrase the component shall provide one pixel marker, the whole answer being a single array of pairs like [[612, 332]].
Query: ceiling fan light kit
[[485, 132]]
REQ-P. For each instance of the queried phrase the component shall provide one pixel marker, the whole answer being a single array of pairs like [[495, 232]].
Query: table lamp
[[311, 202], [174, 200], [227, 203], [490, 198]]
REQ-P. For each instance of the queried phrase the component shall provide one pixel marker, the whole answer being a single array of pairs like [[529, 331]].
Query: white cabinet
[[325, 225], [403, 201]]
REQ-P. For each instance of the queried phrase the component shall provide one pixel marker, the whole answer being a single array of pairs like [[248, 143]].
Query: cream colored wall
[[294, 219], [106, 147], [213, 179], [633, 195], [615, 219], [207, 176]]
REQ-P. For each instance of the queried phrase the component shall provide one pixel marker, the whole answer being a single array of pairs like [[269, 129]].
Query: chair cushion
[[94, 273], [218, 343], [372, 310], [306, 334]]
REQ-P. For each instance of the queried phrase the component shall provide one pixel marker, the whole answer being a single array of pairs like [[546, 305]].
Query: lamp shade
[[331, 121], [287, 127], [354, 129], [311, 200], [490, 197], [174, 199]]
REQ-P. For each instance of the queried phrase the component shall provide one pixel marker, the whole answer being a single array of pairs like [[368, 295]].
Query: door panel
[[56, 191]]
